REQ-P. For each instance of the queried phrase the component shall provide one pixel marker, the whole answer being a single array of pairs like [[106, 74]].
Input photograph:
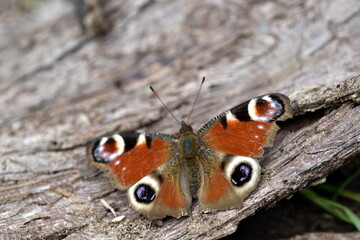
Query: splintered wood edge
[[310, 100]]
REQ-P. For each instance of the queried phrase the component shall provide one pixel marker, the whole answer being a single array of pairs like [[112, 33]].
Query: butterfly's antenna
[[152, 89], [196, 98]]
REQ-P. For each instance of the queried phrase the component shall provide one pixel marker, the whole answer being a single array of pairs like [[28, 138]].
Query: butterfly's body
[[188, 148], [215, 165]]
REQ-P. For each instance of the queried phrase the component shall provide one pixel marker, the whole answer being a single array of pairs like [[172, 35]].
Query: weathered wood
[[59, 88]]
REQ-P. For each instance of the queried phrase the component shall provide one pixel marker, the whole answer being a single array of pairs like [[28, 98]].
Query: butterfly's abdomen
[[188, 149]]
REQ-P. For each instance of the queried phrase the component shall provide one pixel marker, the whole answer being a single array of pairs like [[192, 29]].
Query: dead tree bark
[[60, 87]]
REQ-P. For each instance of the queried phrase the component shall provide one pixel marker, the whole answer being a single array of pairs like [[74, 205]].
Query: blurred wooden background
[[71, 71]]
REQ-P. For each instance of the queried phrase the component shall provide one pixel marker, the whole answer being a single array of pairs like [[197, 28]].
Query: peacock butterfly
[[216, 165]]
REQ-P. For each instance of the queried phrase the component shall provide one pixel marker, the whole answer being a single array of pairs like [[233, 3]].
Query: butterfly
[[217, 165]]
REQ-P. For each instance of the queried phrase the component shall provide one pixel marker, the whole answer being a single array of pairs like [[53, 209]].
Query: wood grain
[[61, 87]]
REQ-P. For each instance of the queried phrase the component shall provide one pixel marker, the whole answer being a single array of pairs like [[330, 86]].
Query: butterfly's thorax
[[188, 150]]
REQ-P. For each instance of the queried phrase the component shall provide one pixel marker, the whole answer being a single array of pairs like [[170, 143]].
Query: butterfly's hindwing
[[162, 193], [228, 180]]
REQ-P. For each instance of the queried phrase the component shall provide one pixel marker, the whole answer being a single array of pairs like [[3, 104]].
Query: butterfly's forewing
[[232, 140], [130, 156], [144, 163], [245, 129]]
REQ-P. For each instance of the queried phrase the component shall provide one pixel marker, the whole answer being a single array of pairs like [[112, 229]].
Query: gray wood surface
[[61, 86]]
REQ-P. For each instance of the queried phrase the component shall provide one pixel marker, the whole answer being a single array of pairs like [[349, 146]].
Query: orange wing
[[227, 184], [130, 157], [162, 193], [245, 129], [146, 164], [232, 139]]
